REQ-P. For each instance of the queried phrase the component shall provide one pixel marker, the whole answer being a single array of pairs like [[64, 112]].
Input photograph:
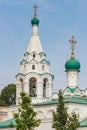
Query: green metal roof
[[25, 61], [6, 123], [26, 53], [72, 64], [78, 100], [83, 123], [48, 62], [35, 21]]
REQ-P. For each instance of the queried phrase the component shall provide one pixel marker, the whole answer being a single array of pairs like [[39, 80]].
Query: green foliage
[[8, 94], [61, 119], [11, 125], [26, 116], [2, 103], [73, 122]]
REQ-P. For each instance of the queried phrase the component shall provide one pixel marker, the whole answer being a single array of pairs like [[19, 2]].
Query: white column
[[49, 90], [18, 91], [26, 87], [39, 89]]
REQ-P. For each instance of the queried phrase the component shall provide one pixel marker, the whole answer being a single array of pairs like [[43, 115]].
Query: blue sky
[[59, 20]]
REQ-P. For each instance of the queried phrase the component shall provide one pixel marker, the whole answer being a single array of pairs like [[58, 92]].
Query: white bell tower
[[34, 77]]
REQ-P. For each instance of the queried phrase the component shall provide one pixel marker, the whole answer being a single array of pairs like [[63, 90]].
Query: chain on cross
[[35, 10], [73, 42]]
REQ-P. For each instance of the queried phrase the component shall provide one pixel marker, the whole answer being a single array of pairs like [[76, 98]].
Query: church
[[35, 79]]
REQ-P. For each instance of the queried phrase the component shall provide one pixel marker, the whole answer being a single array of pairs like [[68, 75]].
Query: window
[[45, 80], [34, 55], [33, 67]]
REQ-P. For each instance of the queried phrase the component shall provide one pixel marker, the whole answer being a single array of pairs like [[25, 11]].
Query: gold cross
[[73, 42], [35, 10]]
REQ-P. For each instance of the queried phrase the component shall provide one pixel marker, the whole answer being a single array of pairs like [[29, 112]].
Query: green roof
[[25, 61], [48, 62], [78, 100], [6, 123], [26, 53], [42, 53], [72, 90], [72, 64], [83, 123], [35, 21]]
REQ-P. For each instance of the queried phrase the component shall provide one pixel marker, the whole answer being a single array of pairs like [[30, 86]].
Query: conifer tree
[[26, 117], [61, 119]]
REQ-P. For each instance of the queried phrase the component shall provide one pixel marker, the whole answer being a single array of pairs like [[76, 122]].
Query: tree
[[26, 117], [8, 94], [61, 119], [2, 103]]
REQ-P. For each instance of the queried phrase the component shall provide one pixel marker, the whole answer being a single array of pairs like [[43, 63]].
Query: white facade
[[35, 79], [72, 78]]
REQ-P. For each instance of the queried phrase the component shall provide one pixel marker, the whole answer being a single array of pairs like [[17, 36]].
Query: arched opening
[[21, 81], [33, 67], [32, 87], [45, 80], [34, 55]]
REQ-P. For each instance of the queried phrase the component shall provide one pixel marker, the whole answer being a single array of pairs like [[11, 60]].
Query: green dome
[[72, 64], [35, 21]]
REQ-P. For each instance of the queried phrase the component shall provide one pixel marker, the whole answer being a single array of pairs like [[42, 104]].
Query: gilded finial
[[35, 10], [73, 42]]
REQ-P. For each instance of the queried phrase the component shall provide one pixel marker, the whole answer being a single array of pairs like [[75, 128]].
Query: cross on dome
[[72, 42], [35, 10]]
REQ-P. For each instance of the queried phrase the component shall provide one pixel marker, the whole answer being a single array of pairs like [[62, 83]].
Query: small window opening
[[34, 55], [33, 67]]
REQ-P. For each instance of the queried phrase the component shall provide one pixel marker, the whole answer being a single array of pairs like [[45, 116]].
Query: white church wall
[[82, 128]]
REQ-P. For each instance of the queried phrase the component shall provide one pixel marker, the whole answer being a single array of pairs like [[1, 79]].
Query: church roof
[[35, 21], [83, 123], [72, 64], [77, 100], [5, 124], [35, 44]]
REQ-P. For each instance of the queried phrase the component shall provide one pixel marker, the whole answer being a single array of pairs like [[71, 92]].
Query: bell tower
[[34, 77]]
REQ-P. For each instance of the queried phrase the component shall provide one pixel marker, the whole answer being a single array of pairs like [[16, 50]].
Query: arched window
[[34, 55], [32, 86], [33, 67], [45, 80]]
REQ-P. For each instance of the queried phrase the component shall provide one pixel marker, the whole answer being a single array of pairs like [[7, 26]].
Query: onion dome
[[35, 21], [72, 64]]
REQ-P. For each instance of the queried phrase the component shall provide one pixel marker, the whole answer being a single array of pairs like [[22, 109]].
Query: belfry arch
[[45, 80], [32, 87]]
